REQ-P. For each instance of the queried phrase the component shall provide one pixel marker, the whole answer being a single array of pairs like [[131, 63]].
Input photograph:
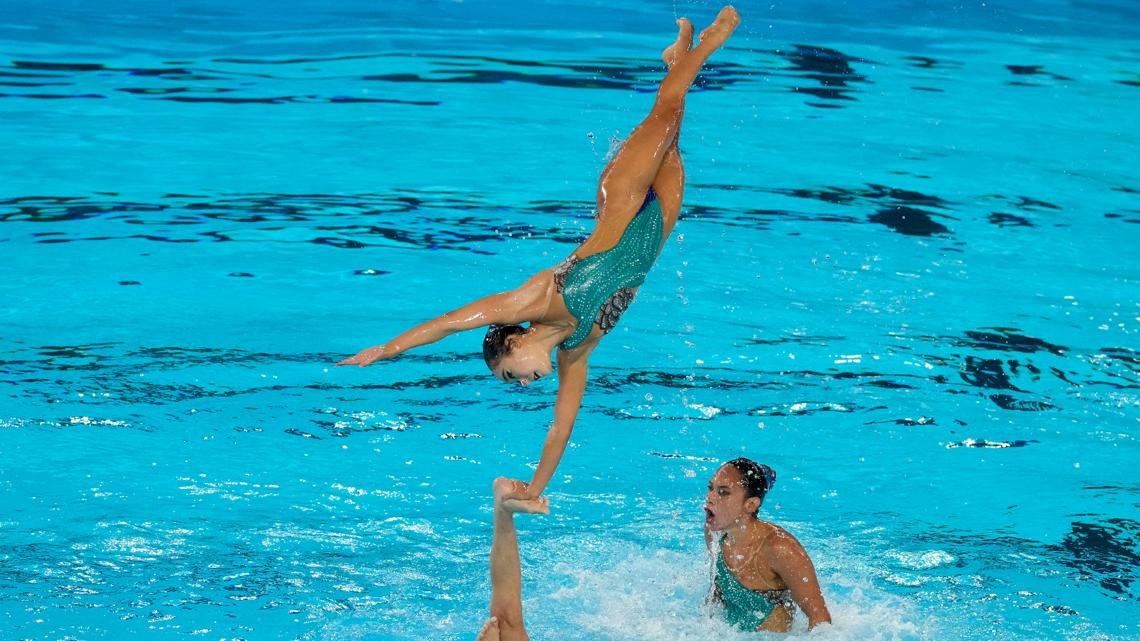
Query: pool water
[[905, 277]]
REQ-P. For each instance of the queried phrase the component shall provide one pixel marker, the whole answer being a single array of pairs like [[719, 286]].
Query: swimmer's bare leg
[[669, 183], [506, 572], [634, 168]]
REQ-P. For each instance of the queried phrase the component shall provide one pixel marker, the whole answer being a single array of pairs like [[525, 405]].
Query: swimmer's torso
[[597, 288], [753, 595]]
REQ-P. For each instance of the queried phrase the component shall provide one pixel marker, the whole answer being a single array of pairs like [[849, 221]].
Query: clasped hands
[[511, 495]]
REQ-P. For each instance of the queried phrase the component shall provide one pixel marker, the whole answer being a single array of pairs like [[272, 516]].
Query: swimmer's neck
[[547, 335], [743, 532]]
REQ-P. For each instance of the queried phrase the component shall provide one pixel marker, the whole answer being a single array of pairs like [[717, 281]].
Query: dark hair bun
[[758, 478], [495, 345]]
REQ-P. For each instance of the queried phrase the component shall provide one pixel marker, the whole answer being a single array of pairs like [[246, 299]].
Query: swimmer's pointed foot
[[490, 631], [718, 32], [683, 43]]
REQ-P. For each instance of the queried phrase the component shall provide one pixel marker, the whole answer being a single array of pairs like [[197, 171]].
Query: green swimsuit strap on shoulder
[[599, 287], [745, 608]]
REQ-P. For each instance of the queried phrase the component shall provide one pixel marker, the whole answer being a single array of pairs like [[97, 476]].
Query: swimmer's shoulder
[[541, 293], [784, 545]]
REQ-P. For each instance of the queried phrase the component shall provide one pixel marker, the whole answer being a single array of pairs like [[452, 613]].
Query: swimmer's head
[[735, 493], [496, 344], [756, 477], [512, 358]]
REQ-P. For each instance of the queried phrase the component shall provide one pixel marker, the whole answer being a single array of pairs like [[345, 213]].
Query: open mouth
[[708, 515]]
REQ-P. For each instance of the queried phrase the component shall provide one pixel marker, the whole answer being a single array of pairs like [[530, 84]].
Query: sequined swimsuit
[[598, 289], [745, 608]]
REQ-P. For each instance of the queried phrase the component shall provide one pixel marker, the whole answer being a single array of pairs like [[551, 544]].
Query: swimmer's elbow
[[560, 431], [823, 618]]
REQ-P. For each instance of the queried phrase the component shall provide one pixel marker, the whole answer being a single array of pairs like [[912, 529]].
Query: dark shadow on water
[[830, 68], [1105, 553], [909, 221]]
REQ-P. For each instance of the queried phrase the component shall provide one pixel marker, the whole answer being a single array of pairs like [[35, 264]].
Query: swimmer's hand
[[510, 495], [369, 356]]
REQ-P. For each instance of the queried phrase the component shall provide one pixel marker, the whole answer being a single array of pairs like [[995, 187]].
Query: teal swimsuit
[[600, 287], [744, 608]]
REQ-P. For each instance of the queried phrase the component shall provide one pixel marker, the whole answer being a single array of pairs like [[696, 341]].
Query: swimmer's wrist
[[528, 492]]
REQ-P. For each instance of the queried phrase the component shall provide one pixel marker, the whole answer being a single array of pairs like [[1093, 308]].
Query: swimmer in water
[[762, 572], [574, 304]]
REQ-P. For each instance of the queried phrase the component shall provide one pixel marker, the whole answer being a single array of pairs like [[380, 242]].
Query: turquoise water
[[905, 278]]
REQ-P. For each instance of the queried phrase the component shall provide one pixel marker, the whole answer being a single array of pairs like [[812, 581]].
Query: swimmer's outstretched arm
[[524, 303]]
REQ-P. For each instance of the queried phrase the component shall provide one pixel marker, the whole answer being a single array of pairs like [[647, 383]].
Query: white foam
[[923, 560], [658, 596]]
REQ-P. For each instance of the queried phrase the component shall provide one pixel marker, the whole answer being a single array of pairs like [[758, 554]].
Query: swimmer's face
[[726, 502], [526, 363]]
